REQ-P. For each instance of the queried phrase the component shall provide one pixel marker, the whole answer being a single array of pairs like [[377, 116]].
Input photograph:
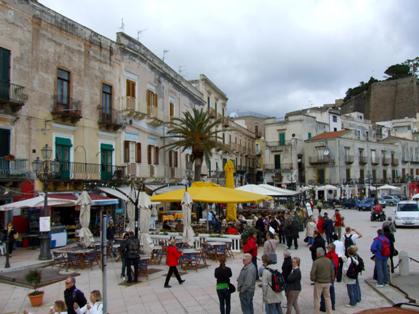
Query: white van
[[406, 214]]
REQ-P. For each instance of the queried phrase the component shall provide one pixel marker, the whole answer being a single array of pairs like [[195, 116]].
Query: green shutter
[[106, 147], [63, 141], [309, 135], [281, 138]]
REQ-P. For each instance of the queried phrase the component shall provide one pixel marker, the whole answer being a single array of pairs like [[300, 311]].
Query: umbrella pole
[[103, 249]]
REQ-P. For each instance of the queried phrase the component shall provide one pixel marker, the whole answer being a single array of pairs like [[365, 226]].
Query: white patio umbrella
[[389, 187], [37, 201], [144, 204], [86, 236], [188, 232]]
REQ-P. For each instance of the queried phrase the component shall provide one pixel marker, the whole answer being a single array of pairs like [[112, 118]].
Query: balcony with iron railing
[[394, 161], [279, 145], [66, 109], [13, 168], [155, 116], [349, 159], [385, 161], [374, 161], [323, 159], [109, 120], [363, 160], [79, 171], [12, 97], [131, 109]]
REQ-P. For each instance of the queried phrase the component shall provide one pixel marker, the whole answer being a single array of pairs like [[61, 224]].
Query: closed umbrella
[[188, 232], [145, 213], [231, 210], [84, 200], [130, 207]]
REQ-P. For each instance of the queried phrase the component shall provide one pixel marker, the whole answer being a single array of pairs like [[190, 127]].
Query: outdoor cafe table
[[191, 258], [76, 256]]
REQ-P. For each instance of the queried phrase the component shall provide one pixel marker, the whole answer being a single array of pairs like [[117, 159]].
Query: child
[[95, 308]]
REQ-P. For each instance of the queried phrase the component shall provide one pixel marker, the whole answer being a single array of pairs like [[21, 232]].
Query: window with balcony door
[[171, 111], [348, 174], [156, 155], [5, 73], [281, 136], [335, 118], [277, 162], [321, 176], [131, 87], [107, 100], [361, 175], [126, 152], [152, 102], [138, 152], [150, 154], [374, 175], [63, 88], [384, 174], [373, 156], [347, 153], [256, 130], [62, 154]]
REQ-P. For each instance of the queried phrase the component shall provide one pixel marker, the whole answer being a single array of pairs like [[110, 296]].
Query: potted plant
[[33, 277]]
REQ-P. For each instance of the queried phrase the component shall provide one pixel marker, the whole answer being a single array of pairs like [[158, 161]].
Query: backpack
[[348, 242], [352, 271], [361, 266], [385, 247], [277, 280]]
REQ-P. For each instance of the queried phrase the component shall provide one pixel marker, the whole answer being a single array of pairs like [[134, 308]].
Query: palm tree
[[198, 131]]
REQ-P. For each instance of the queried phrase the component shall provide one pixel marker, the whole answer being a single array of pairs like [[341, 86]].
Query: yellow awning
[[208, 192]]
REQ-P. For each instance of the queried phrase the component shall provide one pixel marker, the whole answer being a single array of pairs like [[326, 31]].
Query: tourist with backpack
[[132, 249], [350, 237], [293, 287], [329, 228], [381, 249], [272, 286], [351, 270]]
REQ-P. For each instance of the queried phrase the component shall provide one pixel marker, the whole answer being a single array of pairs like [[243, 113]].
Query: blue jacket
[[376, 247]]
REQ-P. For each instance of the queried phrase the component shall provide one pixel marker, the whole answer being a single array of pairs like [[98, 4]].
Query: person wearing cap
[[246, 284]]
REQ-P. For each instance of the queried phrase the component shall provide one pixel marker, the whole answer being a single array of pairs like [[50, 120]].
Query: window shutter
[[170, 158], [156, 155], [176, 159], [148, 101], [149, 149], [126, 151], [138, 153]]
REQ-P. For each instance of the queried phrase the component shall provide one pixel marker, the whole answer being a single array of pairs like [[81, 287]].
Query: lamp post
[[45, 169]]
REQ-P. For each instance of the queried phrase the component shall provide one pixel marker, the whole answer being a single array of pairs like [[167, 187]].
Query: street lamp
[[45, 170]]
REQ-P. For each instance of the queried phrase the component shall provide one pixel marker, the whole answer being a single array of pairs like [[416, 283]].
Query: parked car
[[349, 203], [406, 214], [391, 200], [365, 204], [382, 202], [399, 308]]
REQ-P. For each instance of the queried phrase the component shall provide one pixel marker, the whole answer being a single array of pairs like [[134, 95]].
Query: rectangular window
[[384, 174], [321, 176], [152, 102], [361, 175], [277, 162], [256, 130], [374, 175], [335, 118], [150, 154], [4, 73], [170, 159], [106, 99], [62, 154], [138, 152], [63, 88], [175, 156], [156, 155], [131, 88], [171, 111], [309, 135], [282, 138], [348, 174], [126, 151]]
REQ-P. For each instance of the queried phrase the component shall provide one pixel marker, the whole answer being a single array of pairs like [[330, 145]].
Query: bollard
[[404, 263]]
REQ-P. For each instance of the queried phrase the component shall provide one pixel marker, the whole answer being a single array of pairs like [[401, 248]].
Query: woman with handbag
[[224, 287], [12, 235], [270, 246]]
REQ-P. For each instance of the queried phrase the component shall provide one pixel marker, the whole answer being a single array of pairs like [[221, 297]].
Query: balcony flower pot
[[36, 297], [9, 157]]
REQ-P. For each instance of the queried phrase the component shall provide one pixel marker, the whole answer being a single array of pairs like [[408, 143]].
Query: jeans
[[133, 262], [382, 271], [255, 262], [273, 308], [123, 266], [352, 293], [172, 270], [310, 240], [332, 298], [358, 292], [246, 301], [224, 297]]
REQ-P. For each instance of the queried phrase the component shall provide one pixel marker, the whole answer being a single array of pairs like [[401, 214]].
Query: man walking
[[132, 247], [246, 284], [73, 295], [380, 247], [322, 274]]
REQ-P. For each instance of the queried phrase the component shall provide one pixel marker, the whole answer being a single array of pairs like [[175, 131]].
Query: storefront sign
[[45, 224]]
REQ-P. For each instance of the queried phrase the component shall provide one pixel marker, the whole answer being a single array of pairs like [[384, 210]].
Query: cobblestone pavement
[[198, 294]]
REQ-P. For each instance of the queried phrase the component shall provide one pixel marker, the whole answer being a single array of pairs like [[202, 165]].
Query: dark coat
[[74, 295], [318, 242], [286, 267], [294, 280]]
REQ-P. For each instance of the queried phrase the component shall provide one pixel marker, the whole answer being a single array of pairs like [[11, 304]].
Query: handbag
[[306, 239], [395, 252], [231, 288]]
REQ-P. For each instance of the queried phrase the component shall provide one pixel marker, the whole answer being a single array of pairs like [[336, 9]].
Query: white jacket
[[270, 296], [96, 308]]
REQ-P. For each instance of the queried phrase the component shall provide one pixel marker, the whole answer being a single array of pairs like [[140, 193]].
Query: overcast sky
[[267, 56]]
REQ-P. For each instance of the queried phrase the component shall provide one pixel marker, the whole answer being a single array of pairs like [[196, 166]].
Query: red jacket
[[334, 258], [251, 247], [232, 230], [173, 255], [320, 225], [338, 220]]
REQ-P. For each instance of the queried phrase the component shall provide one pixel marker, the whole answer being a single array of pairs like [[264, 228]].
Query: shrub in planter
[[33, 277]]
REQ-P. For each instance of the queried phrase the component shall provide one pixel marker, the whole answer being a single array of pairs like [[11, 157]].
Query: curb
[[24, 267], [380, 292]]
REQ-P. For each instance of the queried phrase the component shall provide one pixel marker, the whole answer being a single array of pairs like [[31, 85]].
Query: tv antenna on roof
[[140, 32], [165, 51], [122, 27]]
